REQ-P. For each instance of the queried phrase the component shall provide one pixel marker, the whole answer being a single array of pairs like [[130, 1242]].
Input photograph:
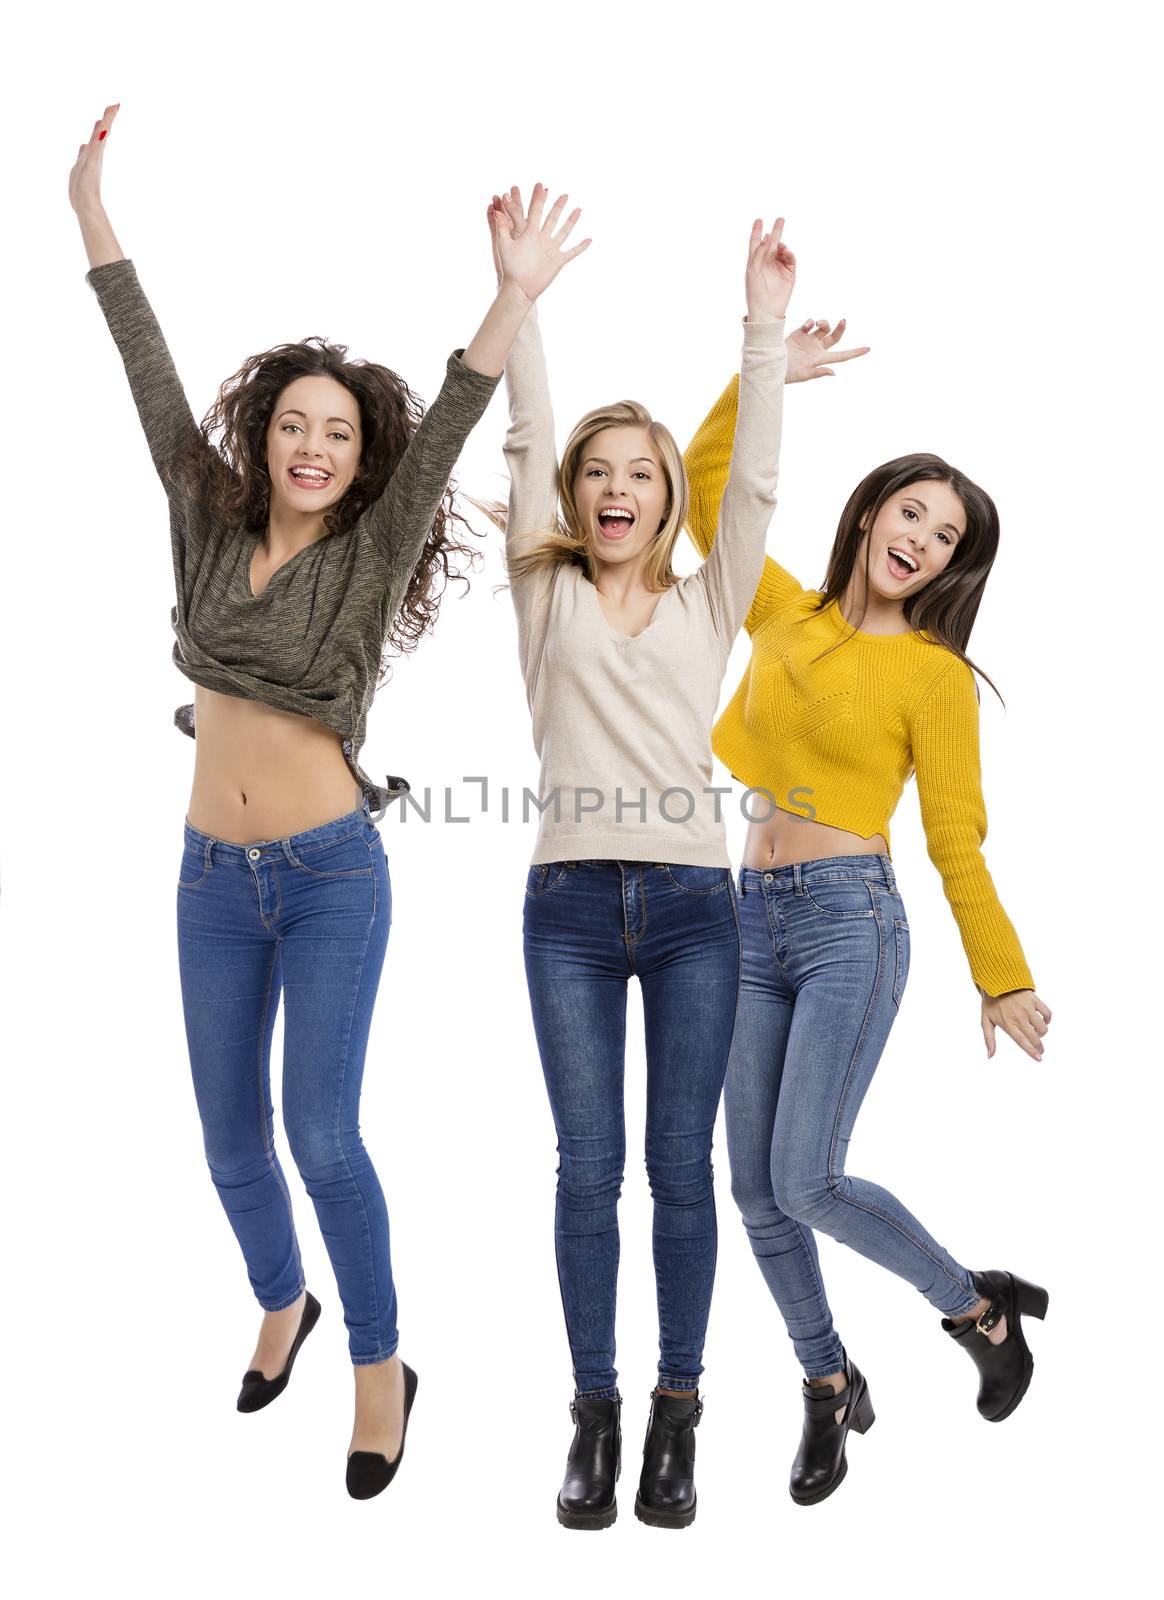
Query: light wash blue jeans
[[307, 916], [825, 961]]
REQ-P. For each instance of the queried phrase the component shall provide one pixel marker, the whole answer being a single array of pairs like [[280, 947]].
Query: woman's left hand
[[771, 273], [529, 252], [810, 351], [1021, 1014]]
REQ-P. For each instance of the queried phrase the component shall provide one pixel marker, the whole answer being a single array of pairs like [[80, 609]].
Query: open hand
[[85, 178], [1021, 1014], [771, 273], [810, 350], [527, 252]]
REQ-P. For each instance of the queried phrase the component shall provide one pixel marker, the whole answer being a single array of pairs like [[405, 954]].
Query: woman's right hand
[[85, 178], [771, 273], [528, 253]]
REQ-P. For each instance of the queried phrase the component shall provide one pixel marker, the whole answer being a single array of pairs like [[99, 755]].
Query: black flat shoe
[[257, 1391], [820, 1463], [1004, 1370], [586, 1498], [370, 1472], [666, 1497]]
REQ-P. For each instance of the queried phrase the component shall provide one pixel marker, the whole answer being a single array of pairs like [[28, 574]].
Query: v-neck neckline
[[282, 567], [626, 638]]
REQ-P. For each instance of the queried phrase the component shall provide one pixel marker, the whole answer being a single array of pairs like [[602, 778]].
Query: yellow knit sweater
[[836, 739]]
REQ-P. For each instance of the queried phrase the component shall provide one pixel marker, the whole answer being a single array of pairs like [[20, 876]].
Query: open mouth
[[309, 477], [616, 523], [899, 565]]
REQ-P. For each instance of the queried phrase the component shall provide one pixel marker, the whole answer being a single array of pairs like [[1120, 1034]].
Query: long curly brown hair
[[229, 471]]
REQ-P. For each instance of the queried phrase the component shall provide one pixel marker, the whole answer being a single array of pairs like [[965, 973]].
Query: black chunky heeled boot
[[257, 1391], [1004, 1370], [820, 1463], [586, 1498], [666, 1497]]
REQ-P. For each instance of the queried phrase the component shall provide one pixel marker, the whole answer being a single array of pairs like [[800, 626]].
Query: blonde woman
[[623, 662]]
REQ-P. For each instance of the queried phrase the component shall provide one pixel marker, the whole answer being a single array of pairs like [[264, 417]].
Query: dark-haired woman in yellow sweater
[[850, 689]]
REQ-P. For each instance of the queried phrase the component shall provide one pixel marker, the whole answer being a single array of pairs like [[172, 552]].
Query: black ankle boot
[[1004, 1370], [820, 1463], [666, 1497], [257, 1391], [586, 1498]]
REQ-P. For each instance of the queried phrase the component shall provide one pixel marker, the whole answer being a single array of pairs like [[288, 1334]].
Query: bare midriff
[[261, 773], [783, 839]]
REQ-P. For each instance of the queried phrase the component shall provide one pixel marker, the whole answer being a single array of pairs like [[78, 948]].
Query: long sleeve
[[531, 458], [708, 461], [401, 520], [166, 418], [943, 733]]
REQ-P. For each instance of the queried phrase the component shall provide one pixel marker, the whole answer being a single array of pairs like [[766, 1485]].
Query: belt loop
[[889, 878], [743, 886], [208, 855], [797, 878]]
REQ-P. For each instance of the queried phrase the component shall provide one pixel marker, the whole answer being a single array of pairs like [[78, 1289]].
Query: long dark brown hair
[[231, 475], [947, 606]]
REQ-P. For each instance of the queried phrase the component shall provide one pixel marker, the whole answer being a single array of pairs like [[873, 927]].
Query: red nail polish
[[102, 134]]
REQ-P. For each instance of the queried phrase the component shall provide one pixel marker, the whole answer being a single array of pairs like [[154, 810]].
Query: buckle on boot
[[989, 1318]]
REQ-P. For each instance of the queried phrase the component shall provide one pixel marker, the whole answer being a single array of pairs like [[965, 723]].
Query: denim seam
[[833, 1175], [341, 1077], [268, 1146], [701, 893], [283, 1304], [368, 1361], [642, 933]]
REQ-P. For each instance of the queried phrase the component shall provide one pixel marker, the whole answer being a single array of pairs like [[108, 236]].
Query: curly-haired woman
[[317, 529]]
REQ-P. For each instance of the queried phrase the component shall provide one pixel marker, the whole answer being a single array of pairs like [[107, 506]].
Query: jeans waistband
[[272, 849], [824, 869]]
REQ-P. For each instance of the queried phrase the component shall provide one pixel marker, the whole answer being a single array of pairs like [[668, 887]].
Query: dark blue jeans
[[826, 958], [307, 915], [589, 927]]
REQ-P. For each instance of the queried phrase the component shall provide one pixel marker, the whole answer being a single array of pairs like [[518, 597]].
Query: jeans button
[[767, 877], [254, 854]]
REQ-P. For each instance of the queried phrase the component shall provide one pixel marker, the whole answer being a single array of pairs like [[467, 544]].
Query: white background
[[972, 188]]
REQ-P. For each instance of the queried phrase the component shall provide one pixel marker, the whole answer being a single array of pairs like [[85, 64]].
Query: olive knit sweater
[[311, 641]]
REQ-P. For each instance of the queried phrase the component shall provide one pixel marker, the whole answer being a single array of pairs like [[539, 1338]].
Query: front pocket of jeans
[[193, 868], [901, 958], [698, 880], [349, 857], [840, 897], [541, 879]]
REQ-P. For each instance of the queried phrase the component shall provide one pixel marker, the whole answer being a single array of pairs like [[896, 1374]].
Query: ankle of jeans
[[597, 1394]]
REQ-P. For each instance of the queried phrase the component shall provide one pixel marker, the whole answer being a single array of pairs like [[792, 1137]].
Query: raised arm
[[810, 354], [165, 414], [733, 568], [531, 254]]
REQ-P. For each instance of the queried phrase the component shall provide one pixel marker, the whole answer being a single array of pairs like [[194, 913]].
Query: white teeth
[[617, 511], [310, 472], [909, 561]]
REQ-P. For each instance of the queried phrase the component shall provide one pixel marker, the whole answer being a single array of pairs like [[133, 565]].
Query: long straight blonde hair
[[568, 542]]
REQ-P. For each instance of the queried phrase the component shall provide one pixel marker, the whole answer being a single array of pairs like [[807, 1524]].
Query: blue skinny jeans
[[590, 926], [825, 962], [306, 917]]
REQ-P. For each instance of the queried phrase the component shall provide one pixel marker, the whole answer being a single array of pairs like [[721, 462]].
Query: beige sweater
[[623, 725]]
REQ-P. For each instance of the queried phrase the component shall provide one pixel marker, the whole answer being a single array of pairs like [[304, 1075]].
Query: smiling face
[[620, 492], [921, 523], [313, 444]]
